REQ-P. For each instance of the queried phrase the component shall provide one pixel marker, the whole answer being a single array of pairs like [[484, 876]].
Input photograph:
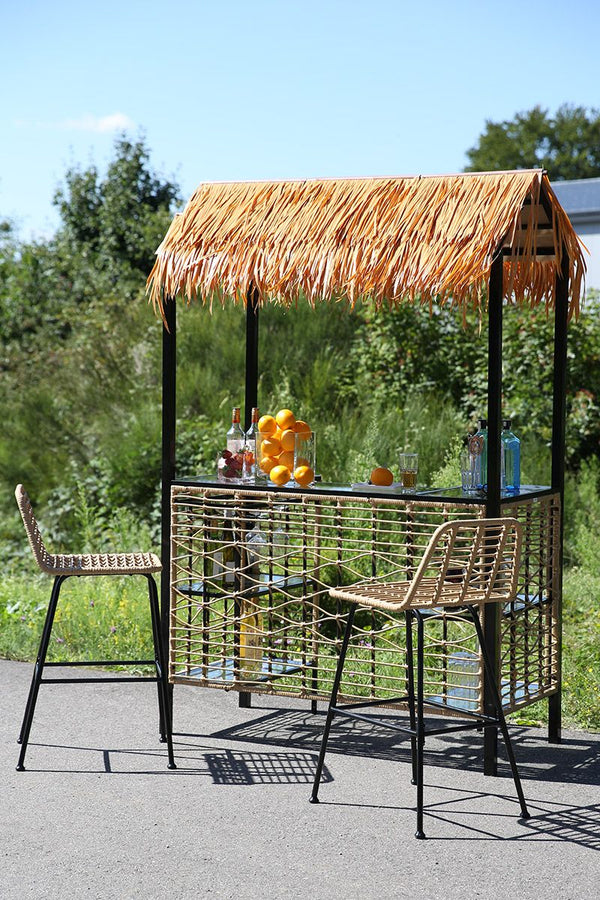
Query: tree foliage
[[75, 331], [120, 219], [567, 144]]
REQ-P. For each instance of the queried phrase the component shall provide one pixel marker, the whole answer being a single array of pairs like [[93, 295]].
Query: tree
[[567, 144], [119, 219]]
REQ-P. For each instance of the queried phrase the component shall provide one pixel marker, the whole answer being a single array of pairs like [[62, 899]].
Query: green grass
[[97, 618]]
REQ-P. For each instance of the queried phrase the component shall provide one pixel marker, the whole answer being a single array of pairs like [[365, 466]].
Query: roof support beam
[[494, 413], [251, 396], [168, 461], [559, 410]]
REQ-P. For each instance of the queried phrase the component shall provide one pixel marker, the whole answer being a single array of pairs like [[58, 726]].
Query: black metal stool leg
[[332, 701], [410, 684], [38, 670], [500, 713], [419, 833], [161, 673], [156, 641]]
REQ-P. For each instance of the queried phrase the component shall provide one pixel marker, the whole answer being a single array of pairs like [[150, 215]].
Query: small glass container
[[409, 467], [235, 468]]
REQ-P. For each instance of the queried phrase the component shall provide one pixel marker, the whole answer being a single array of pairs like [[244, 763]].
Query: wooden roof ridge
[[422, 238]]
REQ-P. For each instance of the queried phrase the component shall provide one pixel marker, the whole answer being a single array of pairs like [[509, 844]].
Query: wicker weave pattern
[[474, 561], [83, 563]]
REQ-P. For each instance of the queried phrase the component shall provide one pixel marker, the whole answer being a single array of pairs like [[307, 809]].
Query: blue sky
[[265, 89]]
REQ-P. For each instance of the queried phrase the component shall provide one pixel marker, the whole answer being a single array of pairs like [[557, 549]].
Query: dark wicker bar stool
[[466, 564], [63, 566]]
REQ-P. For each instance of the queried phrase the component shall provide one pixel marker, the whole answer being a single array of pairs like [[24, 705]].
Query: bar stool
[[63, 566], [466, 564]]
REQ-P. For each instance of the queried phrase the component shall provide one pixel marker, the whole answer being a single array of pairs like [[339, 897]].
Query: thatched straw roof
[[424, 239]]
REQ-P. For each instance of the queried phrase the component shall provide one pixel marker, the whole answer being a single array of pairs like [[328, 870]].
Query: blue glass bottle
[[510, 449]]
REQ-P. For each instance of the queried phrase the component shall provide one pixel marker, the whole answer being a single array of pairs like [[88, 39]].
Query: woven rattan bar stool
[[65, 566], [466, 564]]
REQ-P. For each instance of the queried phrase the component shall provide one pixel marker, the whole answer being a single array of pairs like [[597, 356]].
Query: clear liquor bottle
[[236, 438], [252, 445], [478, 448]]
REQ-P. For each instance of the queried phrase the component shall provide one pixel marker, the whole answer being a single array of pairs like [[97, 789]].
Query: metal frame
[[495, 304], [416, 703], [160, 678]]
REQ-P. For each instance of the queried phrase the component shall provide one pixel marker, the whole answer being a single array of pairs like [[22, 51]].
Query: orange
[[381, 476], [280, 475], [302, 429], [286, 459], [285, 418], [267, 463], [288, 439], [304, 475], [270, 447], [267, 425]]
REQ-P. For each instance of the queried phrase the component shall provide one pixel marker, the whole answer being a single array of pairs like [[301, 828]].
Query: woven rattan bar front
[[251, 572]]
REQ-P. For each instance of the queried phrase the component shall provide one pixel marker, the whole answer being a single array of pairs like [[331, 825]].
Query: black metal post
[[561, 311], [251, 398], [169, 368], [494, 415]]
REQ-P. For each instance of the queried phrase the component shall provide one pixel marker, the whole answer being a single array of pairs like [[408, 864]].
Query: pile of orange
[[276, 445]]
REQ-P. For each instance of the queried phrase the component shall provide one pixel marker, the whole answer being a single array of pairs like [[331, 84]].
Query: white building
[[581, 201]]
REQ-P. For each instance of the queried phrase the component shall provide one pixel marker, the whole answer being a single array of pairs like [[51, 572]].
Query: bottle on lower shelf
[[251, 638]]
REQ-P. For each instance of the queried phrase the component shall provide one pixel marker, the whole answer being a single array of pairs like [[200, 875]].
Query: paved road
[[98, 815]]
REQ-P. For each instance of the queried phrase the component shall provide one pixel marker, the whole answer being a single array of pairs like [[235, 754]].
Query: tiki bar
[[249, 561]]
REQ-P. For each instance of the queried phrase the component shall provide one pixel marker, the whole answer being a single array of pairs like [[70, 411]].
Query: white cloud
[[100, 124]]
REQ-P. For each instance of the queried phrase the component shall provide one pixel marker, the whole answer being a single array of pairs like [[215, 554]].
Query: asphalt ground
[[97, 814]]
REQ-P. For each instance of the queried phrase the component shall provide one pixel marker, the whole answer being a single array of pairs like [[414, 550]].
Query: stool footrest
[[91, 663], [126, 679], [363, 703], [341, 711], [348, 710]]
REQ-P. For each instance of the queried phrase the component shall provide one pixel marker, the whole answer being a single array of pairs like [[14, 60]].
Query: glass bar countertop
[[453, 493]]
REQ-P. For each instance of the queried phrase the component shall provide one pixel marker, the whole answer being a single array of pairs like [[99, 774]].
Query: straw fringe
[[387, 239]]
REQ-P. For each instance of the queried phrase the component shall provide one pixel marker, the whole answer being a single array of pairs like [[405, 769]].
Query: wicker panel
[[250, 605], [529, 630]]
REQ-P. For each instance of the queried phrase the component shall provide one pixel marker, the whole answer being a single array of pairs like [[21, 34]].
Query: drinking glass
[[409, 466], [467, 471]]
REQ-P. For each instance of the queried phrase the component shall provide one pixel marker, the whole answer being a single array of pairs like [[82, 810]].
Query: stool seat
[[67, 565], [466, 564], [394, 596], [101, 564]]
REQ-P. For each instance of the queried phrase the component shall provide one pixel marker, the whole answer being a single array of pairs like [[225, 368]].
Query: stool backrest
[[468, 561], [42, 557]]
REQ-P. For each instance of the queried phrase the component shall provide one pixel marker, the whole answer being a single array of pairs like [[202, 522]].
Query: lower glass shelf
[[224, 670]]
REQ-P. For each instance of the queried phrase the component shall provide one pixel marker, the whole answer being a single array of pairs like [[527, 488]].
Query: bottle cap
[[506, 423], [483, 423], [235, 414]]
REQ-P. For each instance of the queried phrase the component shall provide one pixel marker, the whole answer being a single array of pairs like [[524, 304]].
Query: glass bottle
[[252, 446], [235, 436], [510, 449], [478, 448], [224, 555], [251, 618]]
